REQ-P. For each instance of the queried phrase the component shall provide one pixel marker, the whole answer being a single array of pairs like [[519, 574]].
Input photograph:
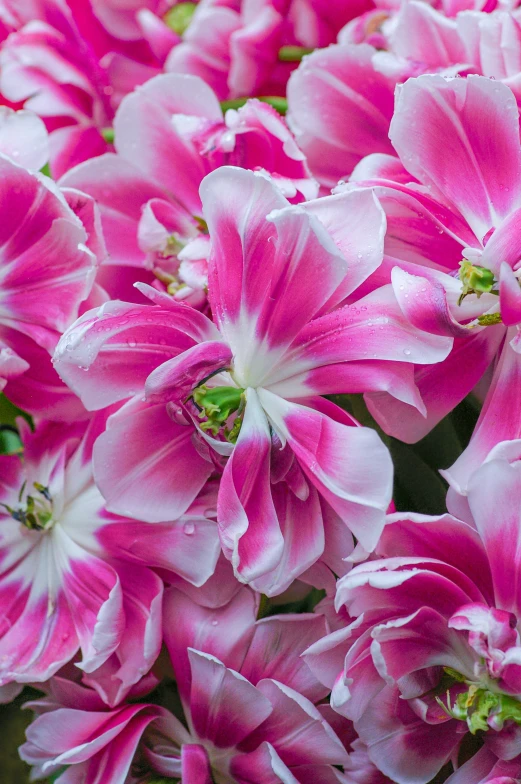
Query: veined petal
[[461, 116], [355, 108], [177, 377], [250, 531], [440, 387], [224, 632], [350, 467], [119, 345], [225, 708], [147, 134], [356, 222], [403, 745], [147, 466]]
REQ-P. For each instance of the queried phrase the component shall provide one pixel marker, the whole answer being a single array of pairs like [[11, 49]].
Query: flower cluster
[[260, 376]]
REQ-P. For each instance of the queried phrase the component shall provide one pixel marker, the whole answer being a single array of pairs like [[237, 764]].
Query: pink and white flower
[[169, 134], [250, 47], [275, 345], [46, 271], [248, 699], [434, 648], [71, 575], [451, 218]]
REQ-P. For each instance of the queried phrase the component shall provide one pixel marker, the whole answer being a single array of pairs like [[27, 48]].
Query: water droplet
[[189, 528], [215, 623], [407, 352]]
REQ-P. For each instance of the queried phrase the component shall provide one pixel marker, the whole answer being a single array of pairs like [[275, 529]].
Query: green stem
[[293, 54]]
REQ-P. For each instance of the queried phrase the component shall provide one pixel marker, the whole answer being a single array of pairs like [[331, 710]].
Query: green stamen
[[109, 135], [489, 319], [479, 705]]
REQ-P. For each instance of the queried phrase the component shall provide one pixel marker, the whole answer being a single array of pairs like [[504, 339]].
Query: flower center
[[480, 706], [36, 514], [476, 280], [216, 405]]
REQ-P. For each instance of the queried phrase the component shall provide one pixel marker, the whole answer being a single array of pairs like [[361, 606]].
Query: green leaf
[[10, 443], [9, 412]]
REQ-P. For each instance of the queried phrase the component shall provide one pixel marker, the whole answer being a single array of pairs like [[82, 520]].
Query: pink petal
[[224, 706], [119, 345], [372, 328], [120, 190], [275, 652], [188, 547], [356, 223], [236, 203], [499, 415], [402, 745], [195, 765], [47, 271], [141, 639], [205, 49], [509, 296], [426, 36], [441, 387], [351, 118], [144, 122], [176, 378], [462, 115], [94, 595], [302, 529], [424, 303], [248, 525], [504, 246], [223, 632], [422, 536], [357, 487], [297, 729], [403, 646], [493, 492], [262, 766], [24, 138], [147, 467]]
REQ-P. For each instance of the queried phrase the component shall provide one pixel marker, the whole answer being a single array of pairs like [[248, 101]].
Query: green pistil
[[476, 280], [293, 54], [277, 101], [478, 705], [217, 404], [179, 17]]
